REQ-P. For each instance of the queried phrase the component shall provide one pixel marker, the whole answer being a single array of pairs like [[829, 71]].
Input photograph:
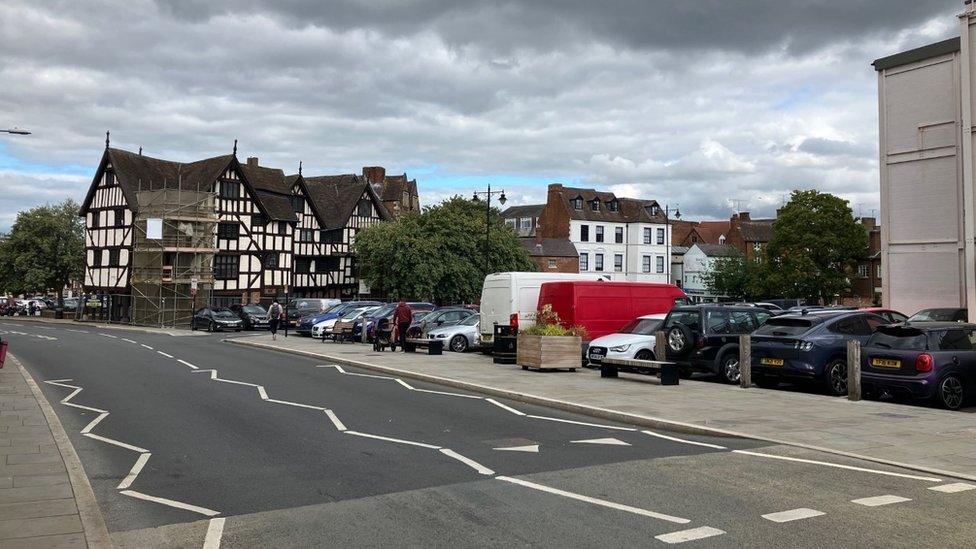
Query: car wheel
[[728, 367], [193, 326], [644, 354], [766, 382], [950, 394], [459, 344], [680, 339], [835, 377]]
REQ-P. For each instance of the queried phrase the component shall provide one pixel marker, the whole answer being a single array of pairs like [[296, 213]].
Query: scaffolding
[[171, 276]]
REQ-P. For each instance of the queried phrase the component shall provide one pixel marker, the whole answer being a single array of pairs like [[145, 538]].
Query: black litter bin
[[58, 312], [505, 344]]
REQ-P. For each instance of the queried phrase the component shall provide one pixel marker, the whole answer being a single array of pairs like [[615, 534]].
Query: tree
[[815, 248], [735, 277], [44, 251], [438, 254]]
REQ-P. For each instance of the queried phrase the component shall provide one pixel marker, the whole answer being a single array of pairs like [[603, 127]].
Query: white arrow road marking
[[953, 488], [793, 514], [595, 501], [837, 465], [134, 472], [685, 441], [215, 531], [608, 441], [172, 503], [530, 448], [690, 535], [877, 501], [467, 461]]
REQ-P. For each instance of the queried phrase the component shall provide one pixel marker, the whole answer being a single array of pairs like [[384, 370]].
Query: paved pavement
[[190, 442], [912, 435]]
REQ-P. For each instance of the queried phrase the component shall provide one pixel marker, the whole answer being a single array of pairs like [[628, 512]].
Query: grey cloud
[[832, 147]]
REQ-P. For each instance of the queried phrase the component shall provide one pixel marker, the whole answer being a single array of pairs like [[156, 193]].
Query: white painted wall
[[632, 248]]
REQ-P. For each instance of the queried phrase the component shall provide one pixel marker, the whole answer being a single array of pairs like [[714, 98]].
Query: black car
[[444, 316], [706, 337], [214, 320], [254, 317]]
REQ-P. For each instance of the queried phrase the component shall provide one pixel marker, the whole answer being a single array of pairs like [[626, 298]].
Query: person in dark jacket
[[402, 317], [275, 314]]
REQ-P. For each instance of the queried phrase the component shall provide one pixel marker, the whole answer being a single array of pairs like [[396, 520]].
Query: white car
[[635, 340], [325, 327]]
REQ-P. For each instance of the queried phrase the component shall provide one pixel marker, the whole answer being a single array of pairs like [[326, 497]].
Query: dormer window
[[595, 205], [614, 206], [578, 203], [655, 210], [721, 239]]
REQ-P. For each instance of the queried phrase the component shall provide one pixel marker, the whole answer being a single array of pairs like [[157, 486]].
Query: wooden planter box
[[550, 352]]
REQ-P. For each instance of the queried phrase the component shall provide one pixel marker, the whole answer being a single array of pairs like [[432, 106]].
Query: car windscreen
[[785, 327], [383, 311], [934, 315], [224, 313], [642, 326], [254, 310], [898, 338], [470, 321]]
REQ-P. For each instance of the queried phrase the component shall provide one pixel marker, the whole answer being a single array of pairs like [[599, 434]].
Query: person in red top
[[402, 316]]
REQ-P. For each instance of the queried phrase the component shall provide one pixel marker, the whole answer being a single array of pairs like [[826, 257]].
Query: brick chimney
[[554, 219], [743, 216], [374, 174], [252, 161], [869, 223]]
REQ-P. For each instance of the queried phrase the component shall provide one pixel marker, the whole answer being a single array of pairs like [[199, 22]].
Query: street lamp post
[[667, 237], [501, 199], [16, 131]]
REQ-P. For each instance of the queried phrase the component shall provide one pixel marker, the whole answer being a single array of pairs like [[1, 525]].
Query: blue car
[[811, 347], [306, 323]]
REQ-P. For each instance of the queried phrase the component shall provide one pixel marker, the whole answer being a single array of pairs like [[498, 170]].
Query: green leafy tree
[[735, 277], [815, 247], [439, 254], [45, 250]]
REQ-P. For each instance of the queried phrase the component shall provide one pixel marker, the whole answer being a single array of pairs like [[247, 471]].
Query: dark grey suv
[[706, 337]]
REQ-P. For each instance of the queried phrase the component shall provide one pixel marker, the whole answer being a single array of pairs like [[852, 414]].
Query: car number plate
[[771, 361], [885, 363]]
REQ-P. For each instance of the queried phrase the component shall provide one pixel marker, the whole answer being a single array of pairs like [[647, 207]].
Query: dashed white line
[[167, 355], [953, 488], [547, 418], [172, 503], [108, 335], [185, 363], [467, 461], [215, 531], [134, 472], [685, 441], [595, 501], [117, 443], [793, 514], [335, 420], [837, 465], [146, 346], [129, 340], [389, 439], [504, 407], [878, 501], [76, 331], [693, 534]]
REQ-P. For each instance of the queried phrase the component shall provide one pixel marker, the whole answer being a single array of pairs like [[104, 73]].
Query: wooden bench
[[667, 371], [434, 346]]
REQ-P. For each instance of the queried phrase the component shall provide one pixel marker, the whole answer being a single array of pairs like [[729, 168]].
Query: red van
[[603, 307]]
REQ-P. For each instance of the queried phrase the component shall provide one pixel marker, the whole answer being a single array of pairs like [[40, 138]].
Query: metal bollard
[[854, 370], [745, 361], [660, 346]]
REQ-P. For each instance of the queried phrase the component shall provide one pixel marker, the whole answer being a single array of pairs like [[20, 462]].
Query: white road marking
[[336, 366], [309, 406], [404, 383], [837, 465], [792, 514], [608, 441], [185, 363], [595, 501], [547, 418], [262, 393], [146, 346], [877, 501], [134, 472], [213, 373], [167, 355], [953, 488], [504, 407], [388, 439], [94, 422], [685, 441], [531, 448], [129, 340], [335, 420], [172, 503], [467, 461], [367, 375], [476, 397], [108, 335], [215, 531], [117, 443], [76, 331], [693, 534]]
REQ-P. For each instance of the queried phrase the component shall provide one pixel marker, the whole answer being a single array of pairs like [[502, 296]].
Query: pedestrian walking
[[402, 316], [31, 308], [275, 316]]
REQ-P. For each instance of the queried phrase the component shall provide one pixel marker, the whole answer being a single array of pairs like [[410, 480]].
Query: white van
[[507, 294]]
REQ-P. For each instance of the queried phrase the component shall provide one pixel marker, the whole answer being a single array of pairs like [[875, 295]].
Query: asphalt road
[[187, 439]]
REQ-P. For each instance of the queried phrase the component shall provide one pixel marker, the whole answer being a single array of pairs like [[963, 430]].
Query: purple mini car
[[925, 360]]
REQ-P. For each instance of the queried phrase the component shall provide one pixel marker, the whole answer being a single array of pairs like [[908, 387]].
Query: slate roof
[[549, 247], [679, 250], [393, 186], [528, 210], [272, 190], [717, 250], [757, 230], [335, 197], [630, 210]]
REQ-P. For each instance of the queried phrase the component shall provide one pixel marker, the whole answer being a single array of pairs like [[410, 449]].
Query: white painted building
[[696, 263]]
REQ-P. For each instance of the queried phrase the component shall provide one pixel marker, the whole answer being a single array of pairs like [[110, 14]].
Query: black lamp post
[[16, 131], [667, 237], [501, 200]]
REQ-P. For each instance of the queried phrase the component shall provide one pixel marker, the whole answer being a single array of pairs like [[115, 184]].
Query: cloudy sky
[[702, 103]]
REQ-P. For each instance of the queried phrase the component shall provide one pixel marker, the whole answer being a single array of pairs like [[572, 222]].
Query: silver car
[[458, 337]]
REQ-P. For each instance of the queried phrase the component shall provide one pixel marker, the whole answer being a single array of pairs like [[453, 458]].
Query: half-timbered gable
[[344, 204], [309, 240]]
